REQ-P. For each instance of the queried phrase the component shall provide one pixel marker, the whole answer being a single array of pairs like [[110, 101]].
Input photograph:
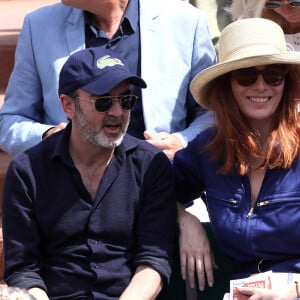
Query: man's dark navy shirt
[[60, 239]]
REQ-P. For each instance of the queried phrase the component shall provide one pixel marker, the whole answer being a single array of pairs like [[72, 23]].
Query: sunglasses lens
[[295, 3], [245, 77], [103, 104], [272, 75], [276, 4], [128, 102], [273, 4]]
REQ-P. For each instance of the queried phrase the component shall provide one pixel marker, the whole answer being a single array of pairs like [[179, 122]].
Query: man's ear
[[67, 105]]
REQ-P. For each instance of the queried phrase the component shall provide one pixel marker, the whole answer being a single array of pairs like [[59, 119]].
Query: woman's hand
[[288, 293], [195, 251]]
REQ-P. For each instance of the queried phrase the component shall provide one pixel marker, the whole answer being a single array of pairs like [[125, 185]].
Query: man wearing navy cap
[[90, 212]]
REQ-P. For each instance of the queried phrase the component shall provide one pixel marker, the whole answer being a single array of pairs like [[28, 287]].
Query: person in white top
[[285, 13]]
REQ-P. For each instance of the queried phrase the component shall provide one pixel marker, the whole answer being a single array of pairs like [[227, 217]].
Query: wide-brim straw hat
[[242, 44]]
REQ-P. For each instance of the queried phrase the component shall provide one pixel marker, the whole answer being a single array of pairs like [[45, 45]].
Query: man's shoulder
[[51, 23], [131, 143], [45, 149], [142, 151], [56, 10], [31, 158], [143, 154]]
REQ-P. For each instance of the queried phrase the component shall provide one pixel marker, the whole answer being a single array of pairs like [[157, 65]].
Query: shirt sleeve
[[20, 231], [21, 115], [187, 167], [157, 221]]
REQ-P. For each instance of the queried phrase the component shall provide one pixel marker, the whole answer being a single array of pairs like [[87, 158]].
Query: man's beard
[[99, 138]]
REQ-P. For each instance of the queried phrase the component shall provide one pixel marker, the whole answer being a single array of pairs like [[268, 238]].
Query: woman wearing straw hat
[[248, 163]]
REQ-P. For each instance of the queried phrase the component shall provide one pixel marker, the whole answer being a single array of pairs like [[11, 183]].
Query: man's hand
[[195, 252], [167, 142], [145, 284], [52, 130]]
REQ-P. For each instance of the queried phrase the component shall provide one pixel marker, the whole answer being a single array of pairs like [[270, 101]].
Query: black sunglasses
[[104, 103], [273, 75], [277, 4]]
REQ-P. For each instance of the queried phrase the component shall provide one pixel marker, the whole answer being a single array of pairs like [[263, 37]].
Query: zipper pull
[[249, 214], [263, 203]]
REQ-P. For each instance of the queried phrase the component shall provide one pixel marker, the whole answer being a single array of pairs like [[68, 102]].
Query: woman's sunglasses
[[104, 103], [276, 4], [273, 75]]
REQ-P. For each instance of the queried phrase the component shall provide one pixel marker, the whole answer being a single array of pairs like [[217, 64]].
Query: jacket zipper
[[250, 212]]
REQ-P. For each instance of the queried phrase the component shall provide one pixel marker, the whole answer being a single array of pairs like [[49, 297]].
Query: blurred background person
[[284, 13]]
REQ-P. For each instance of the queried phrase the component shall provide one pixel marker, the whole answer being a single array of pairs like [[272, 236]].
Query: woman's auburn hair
[[235, 142]]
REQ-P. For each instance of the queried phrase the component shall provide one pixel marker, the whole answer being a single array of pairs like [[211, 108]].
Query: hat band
[[250, 50]]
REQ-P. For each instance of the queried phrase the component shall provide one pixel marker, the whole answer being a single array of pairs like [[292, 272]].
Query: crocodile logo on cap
[[107, 61]]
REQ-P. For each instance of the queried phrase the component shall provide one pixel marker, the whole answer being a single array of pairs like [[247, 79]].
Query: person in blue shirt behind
[[248, 163], [90, 212], [166, 42]]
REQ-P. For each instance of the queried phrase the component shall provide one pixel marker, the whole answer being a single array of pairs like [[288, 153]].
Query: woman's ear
[[67, 105]]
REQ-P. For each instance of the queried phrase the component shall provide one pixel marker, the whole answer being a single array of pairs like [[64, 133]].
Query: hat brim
[[202, 82], [103, 84]]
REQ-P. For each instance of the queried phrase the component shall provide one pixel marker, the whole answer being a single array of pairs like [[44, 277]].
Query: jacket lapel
[[150, 50], [75, 31]]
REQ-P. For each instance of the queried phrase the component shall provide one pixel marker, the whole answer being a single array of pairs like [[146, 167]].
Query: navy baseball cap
[[96, 71]]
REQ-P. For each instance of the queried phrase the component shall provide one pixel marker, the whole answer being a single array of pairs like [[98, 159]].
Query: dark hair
[[73, 94]]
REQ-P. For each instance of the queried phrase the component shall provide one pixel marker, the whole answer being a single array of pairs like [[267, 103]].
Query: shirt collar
[[132, 14], [129, 22], [61, 148]]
